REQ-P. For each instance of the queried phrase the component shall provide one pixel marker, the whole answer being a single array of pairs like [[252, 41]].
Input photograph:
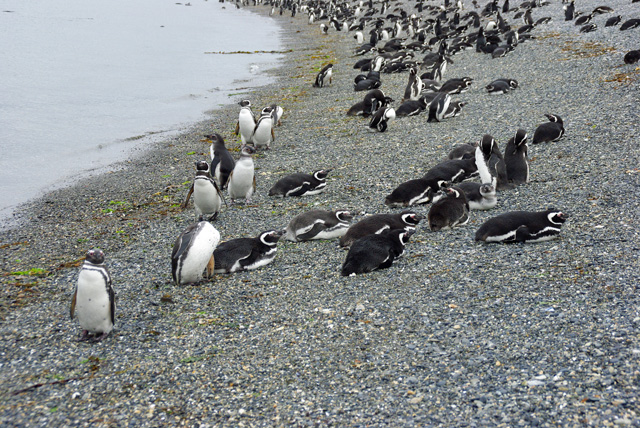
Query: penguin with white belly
[[94, 298], [192, 253]]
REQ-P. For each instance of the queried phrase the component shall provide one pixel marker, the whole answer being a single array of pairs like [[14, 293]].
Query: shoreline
[[453, 331]]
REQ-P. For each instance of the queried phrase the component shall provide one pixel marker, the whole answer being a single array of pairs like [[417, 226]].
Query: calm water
[[80, 79]]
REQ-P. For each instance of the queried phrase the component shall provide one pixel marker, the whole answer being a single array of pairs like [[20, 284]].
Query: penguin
[[452, 171], [318, 224], [629, 24], [411, 107], [449, 211], [454, 109], [438, 107], [589, 28], [357, 109], [378, 223], [412, 192], [490, 163], [462, 151], [242, 181], [549, 131], [569, 11], [456, 86], [522, 226], [381, 118], [246, 122], [94, 298], [323, 75], [373, 101], [263, 133], [207, 197], [498, 87], [632, 57], [246, 253], [374, 252], [193, 253], [300, 184], [276, 114], [480, 196], [414, 86], [613, 21], [515, 158], [222, 162], [324, 29]]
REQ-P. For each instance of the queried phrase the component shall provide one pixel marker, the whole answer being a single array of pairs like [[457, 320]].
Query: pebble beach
[[454, 333]]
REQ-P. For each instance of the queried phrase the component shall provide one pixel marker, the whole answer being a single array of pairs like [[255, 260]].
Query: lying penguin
[[318, 224]]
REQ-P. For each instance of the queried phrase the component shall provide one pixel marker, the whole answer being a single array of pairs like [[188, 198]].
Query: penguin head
[[321, 174], [486, 144], [556, 217], [513, 83], [521, 137], [213, 138], [247, 150], [245, 103], [404, 236], [267, 111], [554, 118], [95, 256], [487, 189], [271, 237], [202, 166], [344, 216], [410, 218]]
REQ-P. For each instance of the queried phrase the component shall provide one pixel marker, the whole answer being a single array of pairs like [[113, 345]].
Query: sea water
[[81, 81]]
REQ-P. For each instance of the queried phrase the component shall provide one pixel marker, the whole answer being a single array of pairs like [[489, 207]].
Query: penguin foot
[[213, 217], [99, 338], [84, 336]]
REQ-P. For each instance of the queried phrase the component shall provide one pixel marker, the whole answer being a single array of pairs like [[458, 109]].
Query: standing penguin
[[522, 226], [276, 114], [373, 252], [515, 158], [246, 253], [94, 298], [242, 181], [414, 86], [246, 122], [381, 118], [449, 211], [222, 162], [323, 75], [301, 184], [549, 131], [490, 163], [318, 224], [207, 197], [192, 253], [263, 132], [378, 223]]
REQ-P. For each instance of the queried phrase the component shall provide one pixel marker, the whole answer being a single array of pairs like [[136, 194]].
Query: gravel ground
[[455, 333]]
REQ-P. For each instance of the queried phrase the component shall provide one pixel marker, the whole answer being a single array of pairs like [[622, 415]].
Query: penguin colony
[[421, 42]]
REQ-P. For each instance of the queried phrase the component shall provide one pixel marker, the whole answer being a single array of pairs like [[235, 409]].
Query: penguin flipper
[[237, 131], [318, 227], [73, 302], [273, 135], [186, 200], [112, 301]]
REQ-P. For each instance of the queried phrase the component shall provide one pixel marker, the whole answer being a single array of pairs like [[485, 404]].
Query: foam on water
[[83, 79]]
